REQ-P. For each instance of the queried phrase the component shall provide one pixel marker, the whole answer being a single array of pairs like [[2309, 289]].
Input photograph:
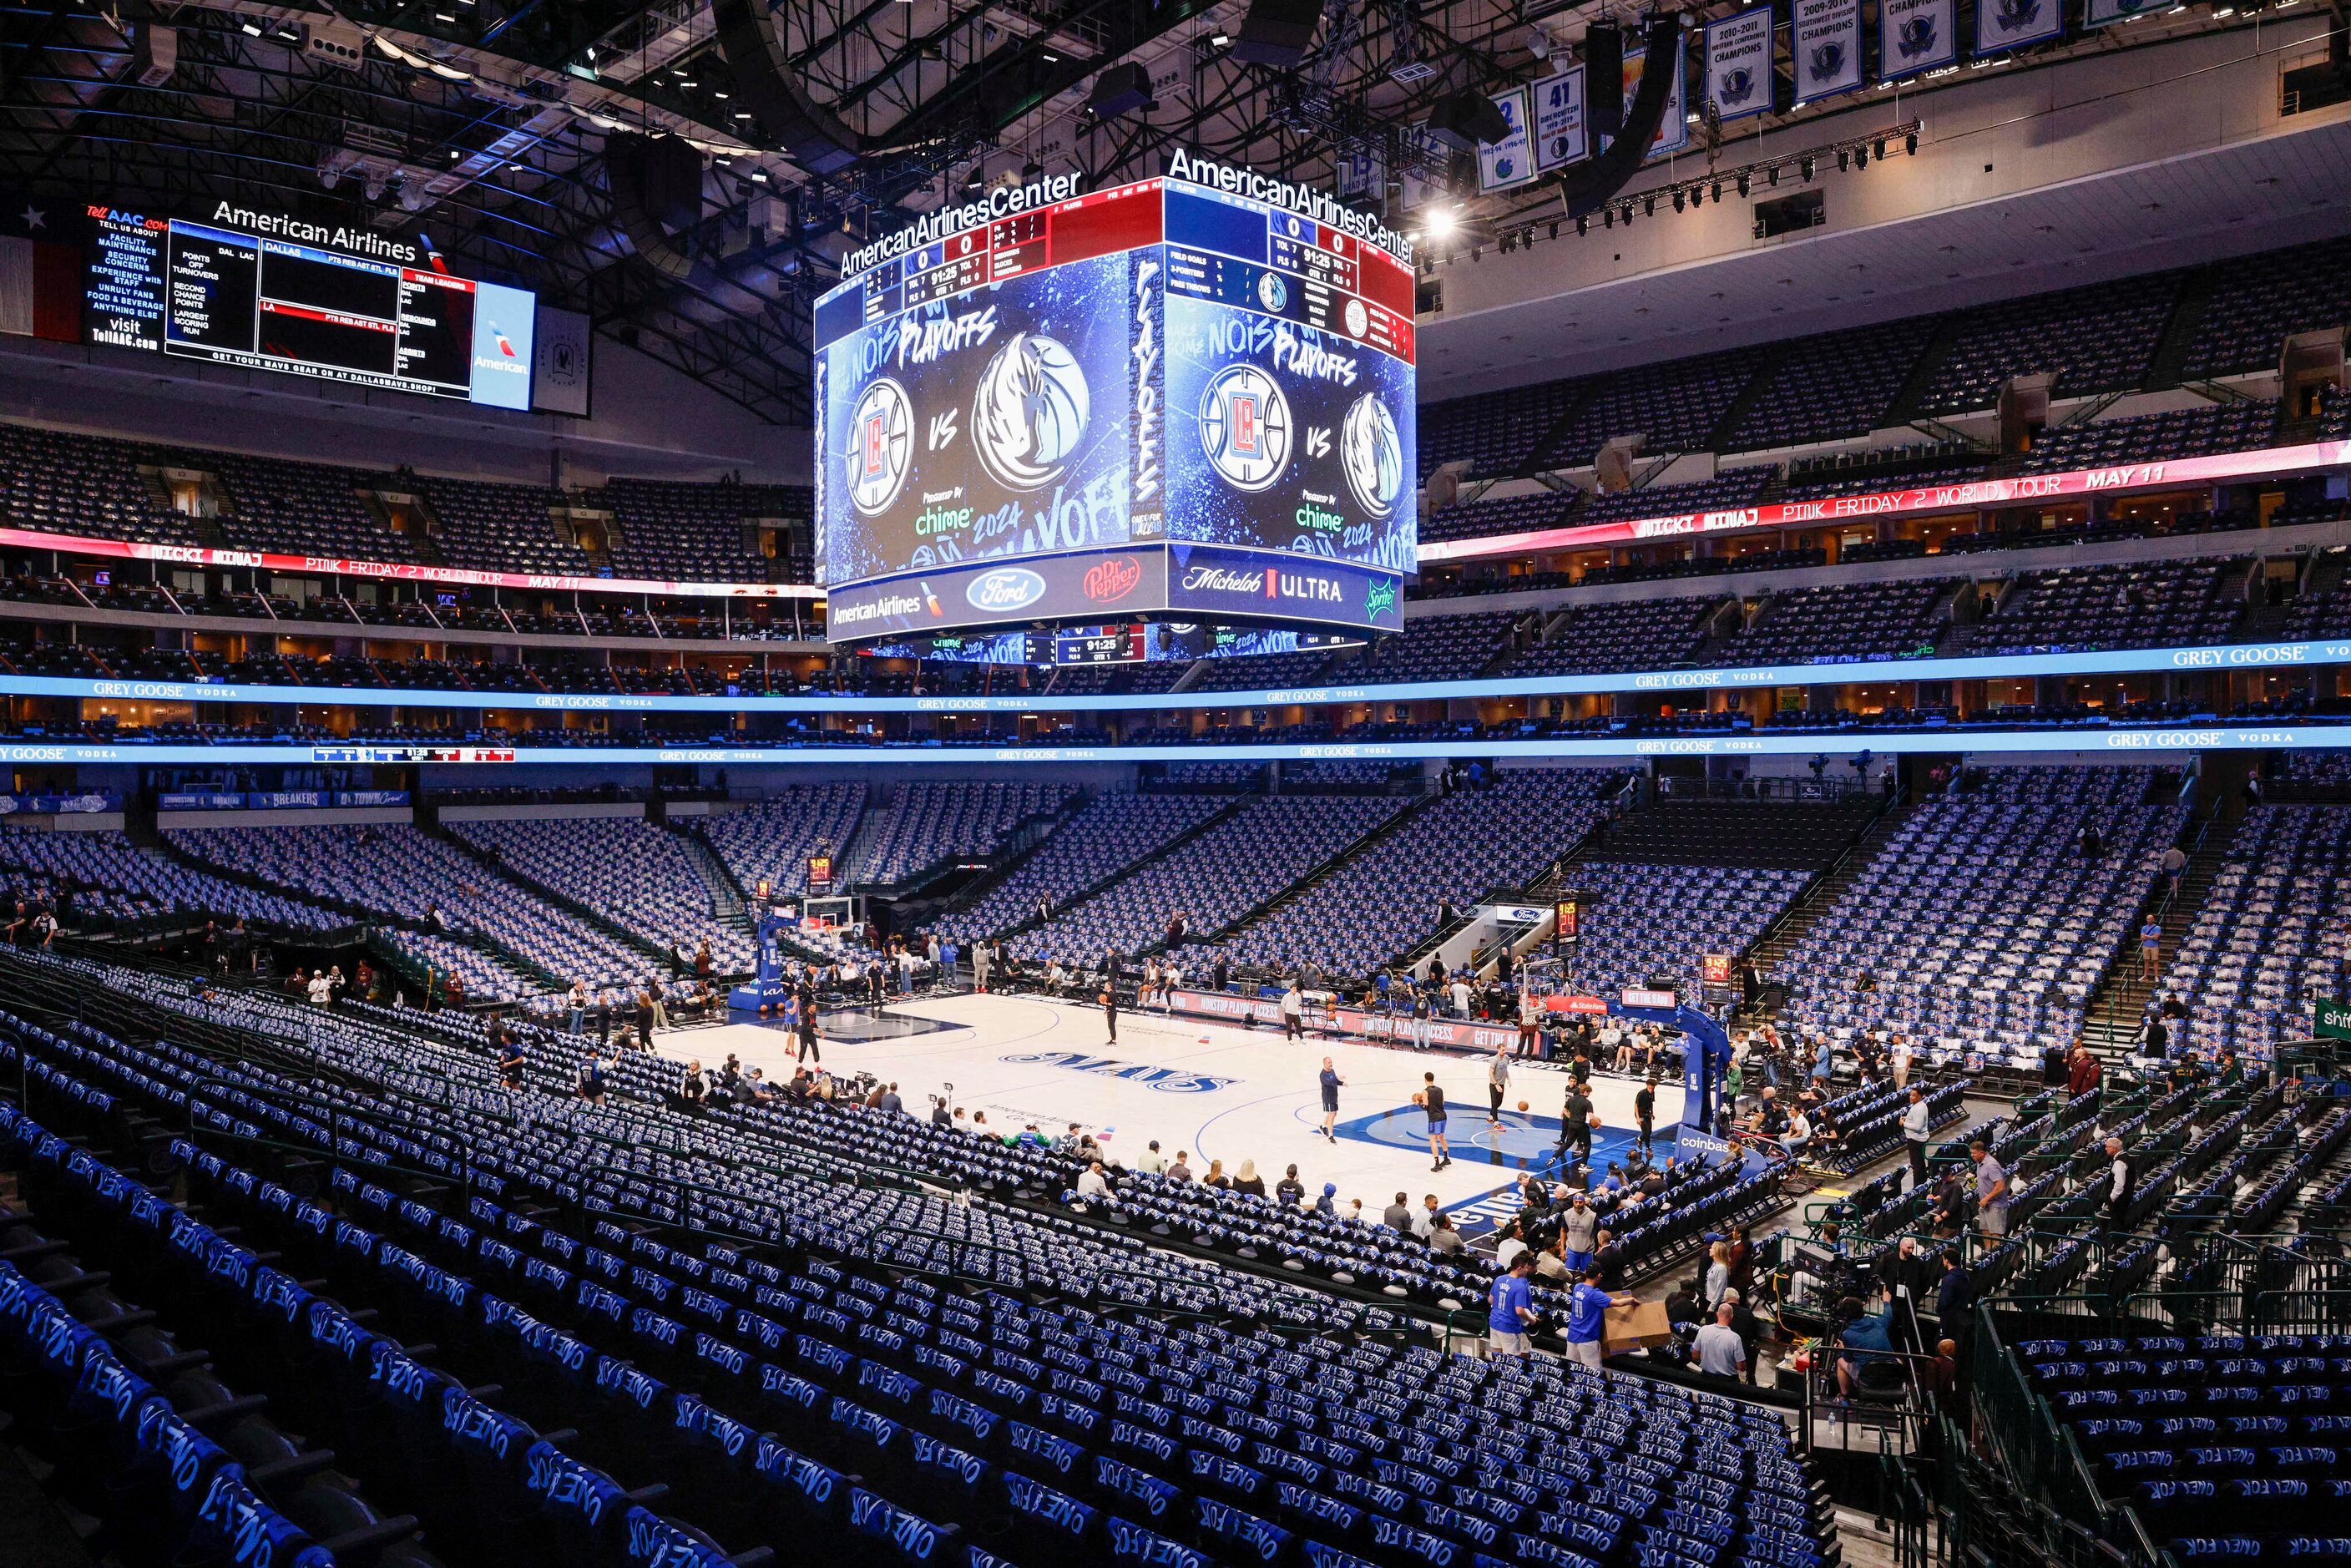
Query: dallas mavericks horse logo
[[2015, 15], [1030, 412], [1372, 454], [1828, 59], [1917, 38], [1738, 86], [1245, 426], [881, 445]]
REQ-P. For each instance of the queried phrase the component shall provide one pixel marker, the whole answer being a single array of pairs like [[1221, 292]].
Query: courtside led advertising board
[[1193, 393]]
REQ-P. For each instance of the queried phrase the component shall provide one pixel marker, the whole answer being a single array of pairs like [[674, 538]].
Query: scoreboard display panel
[[1189, 393], [261, 291]]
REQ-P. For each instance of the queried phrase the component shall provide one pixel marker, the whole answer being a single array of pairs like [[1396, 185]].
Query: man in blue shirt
[[1513, 1310], [1332, 1084], [1587, 1318], [1864, 1332]]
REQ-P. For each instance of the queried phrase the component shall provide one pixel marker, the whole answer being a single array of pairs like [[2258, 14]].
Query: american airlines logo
[[876, 609]]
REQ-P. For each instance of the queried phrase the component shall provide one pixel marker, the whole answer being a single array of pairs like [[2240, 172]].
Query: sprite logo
[[1379, 598]]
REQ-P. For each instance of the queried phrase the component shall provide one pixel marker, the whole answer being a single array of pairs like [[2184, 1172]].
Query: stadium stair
[[977, 890], [725, 898], [2164, 366], [1759, 383], [1394, 824], [497, 866], [2111, 1020], [1821, 894], [1911, 401]]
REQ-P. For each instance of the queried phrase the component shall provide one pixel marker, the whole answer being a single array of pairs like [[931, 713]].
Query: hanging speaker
[[761, 61], [1277, 33], [645, 178], [1465, 119], [1603, 78]]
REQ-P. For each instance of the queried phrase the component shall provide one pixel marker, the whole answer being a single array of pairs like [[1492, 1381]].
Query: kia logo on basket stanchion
[[1108, 581]]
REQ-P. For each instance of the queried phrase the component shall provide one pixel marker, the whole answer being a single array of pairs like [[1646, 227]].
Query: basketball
[[1418, 1098], [1593, 1121], [1522, 1105]]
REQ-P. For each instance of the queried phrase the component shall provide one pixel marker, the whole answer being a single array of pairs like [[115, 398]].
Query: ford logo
[[1004, 589]]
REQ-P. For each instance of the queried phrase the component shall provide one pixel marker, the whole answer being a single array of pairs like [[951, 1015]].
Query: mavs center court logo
[[1245, 426], [1166, 1080], [883, 425], [1030, 412], [1372, 453]]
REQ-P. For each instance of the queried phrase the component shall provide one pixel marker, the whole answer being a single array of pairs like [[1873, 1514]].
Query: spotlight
[[1607, 218], [1438, 224], [1845, 160], [1774, 177], [1806, 169], [1678, 204], [1628, 215], [1910, 144], [1743, 184], [1580, 228], [1861, 158], [1718, 190], [1554, 229], [1476, 251], [1879, 149], [1650, 207]]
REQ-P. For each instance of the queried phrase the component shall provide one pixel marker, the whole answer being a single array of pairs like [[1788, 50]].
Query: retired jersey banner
[[2101, 13], [1738, 63], [1826, 44], [1915, 36], [1560, 134], [2003, 24], [1510, 161]]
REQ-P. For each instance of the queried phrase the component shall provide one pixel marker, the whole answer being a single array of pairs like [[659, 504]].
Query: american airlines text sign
[[1985, 493]]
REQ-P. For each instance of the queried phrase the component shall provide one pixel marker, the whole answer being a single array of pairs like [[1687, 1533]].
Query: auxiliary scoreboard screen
[[262, 290], [1191, 393]]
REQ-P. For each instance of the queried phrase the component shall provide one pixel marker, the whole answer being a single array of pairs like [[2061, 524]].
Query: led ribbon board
[[1191, 393]]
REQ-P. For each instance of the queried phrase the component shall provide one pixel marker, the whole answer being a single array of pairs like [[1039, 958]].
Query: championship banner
[[1510, 163], [1673, 131], [1738, 63], [1560, 134], [2101, 13], [1826, 43], [2003, 25], [1915, 36]]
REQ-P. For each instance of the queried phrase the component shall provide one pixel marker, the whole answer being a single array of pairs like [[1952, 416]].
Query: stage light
[[1879, 148], [1775, 176], [1438, 224], [1743, 184], [1861, 158], [1607, 218], [1806, 168], [1580, 226], [1554, 229], [1910, 144], [1845, 160], [1718, 190], [1476, 253], [1680, 206], [1650, 207]]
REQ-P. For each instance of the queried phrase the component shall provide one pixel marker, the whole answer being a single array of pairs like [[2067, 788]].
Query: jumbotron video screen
[[1193, 393]]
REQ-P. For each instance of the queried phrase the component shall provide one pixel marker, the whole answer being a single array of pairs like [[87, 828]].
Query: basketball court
[[1215, 1090]]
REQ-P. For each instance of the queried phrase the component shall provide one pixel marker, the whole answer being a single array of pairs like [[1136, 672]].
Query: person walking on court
[[1110, 1008], [1498, 1084], [1645, 1110], [1332, 1084], [1430, 1098], [1294, 1012], [1530, 1011], [806, 1000], [1576, 1121]]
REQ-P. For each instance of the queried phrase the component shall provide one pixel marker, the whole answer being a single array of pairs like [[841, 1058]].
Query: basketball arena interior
[[1293, 783]]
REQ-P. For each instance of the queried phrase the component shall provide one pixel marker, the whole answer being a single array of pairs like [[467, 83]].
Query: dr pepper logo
[[1108, 581]]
